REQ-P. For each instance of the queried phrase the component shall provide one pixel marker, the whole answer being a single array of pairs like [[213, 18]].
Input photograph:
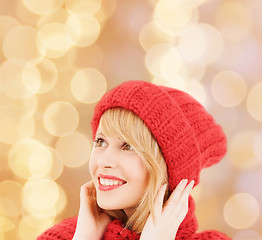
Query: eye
[[100, 142], [127, 147]]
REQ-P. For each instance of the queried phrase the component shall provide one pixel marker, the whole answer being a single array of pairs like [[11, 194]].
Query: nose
[[108, 159]]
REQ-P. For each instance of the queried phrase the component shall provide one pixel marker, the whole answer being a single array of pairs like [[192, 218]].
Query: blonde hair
[[130, 128]]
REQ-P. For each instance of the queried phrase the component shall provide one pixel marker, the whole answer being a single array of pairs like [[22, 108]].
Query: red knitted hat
[[187, 134]]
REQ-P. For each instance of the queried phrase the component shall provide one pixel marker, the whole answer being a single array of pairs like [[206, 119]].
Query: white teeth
[[107, 182], [110, 182]]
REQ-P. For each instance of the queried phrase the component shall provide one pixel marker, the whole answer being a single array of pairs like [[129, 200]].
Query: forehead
[[109, 134]]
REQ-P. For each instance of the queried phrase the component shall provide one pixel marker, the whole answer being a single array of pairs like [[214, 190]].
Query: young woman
[[150, 144]]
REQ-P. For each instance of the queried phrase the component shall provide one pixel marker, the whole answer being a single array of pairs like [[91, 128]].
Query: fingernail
[[192, 183], [184, 181]]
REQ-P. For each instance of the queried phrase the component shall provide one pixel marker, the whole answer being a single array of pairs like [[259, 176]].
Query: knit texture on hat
[[187, 134], [189, 139]]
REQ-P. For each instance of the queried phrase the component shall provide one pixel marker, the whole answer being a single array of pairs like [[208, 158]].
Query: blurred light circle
[[11, 83], [254, 100], [11, 200], [159, 81], [21, 109], [59, 16], [249, 182], [41, 162], [40, 193], [49, 164], [27, 37], [174, 82], [241, 151], [62, 86], [57, 164], [8, 207], [74, 149], [13, 131], [49, 212], [193, 3], [258, 144], [91, 57], [43, 7], [247, 235], [22, 13], [82, 29], [208, 41], [172, 13], [196, 90], [170, 63], [106, 10], [151, 35], [7, 23], [61, 201], [31, 77], [229, 88], [154, 58], [6, 224], [61, 118], [241, 211], [222, 115], [19, 155], [89, 7], [52, 40], [88, 85], [168, 30], [234, 16], [39, 75], [31, 226], [192, 71]]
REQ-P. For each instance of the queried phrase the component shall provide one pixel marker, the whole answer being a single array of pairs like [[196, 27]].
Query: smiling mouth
[[107, 183]]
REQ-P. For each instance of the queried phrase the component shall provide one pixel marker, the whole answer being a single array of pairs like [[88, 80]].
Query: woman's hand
[[91, 221], [168, 218]]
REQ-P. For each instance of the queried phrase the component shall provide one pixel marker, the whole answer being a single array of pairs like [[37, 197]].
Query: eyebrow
[[100, 133]]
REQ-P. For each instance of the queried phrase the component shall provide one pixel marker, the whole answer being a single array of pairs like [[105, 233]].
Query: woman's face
[[119, 174]]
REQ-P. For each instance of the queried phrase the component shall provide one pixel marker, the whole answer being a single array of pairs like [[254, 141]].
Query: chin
[[107, 205]]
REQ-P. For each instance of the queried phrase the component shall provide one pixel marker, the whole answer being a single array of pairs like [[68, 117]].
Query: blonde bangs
[[127, 126]]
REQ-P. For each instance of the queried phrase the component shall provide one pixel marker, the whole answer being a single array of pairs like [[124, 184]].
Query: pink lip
[[110, 177], [108, 188]]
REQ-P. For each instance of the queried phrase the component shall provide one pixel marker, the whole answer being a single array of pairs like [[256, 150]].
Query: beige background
[[58, 58]]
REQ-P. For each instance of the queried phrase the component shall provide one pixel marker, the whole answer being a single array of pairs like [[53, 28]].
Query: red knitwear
[[188, 136], [116, 231]]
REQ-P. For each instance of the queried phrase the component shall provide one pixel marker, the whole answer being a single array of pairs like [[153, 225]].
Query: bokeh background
[[59, 57]]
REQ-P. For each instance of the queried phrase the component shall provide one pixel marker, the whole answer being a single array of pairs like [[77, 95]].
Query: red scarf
[[116, 231]]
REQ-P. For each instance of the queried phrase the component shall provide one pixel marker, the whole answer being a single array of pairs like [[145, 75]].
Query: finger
[[87, 192], [174, 197], [182, 202], [88, 184], [186, 192], [179, 213], [180, 209], [88, 187], [159, 201]]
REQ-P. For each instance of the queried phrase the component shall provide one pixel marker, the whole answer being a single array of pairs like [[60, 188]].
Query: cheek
[[137, 171]]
